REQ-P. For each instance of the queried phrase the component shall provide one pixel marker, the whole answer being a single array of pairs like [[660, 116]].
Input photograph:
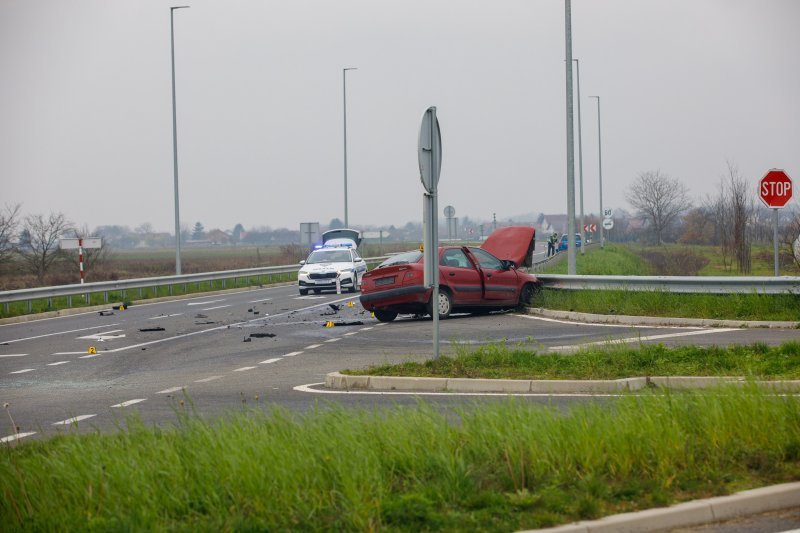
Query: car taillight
[[412, 274]]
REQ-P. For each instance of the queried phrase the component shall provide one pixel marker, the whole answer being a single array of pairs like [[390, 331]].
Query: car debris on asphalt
[[154, 328]]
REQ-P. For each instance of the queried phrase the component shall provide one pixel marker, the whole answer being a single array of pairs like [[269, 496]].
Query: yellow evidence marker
[[92, 350], [329, 324]]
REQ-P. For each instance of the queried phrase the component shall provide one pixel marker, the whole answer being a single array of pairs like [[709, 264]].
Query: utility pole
[[571, 266]]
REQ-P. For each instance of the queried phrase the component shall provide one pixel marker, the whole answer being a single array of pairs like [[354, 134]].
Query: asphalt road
[[256, 348]]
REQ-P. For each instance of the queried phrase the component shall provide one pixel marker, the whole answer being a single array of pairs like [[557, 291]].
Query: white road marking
[[129, 402], [381, 324], [598, 324], [89, 356], [58, 333], [365, 329], [69, 353], [22, 371], [164, 316], [244, 368], [73, 420], [57, 363], [14, 355], [215, 307], [206, 380], [206, 302], [268, 361], [261, 300], [350, 333], [312, 346], [16, 436], [170, 390], [335, 339], [640, 339], [309, 297], [98, 336], [309, 388], [291, 354]]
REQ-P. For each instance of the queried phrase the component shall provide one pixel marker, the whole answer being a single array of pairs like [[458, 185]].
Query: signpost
[[775, 190], [80, 244], [589, 228], [429, 148]]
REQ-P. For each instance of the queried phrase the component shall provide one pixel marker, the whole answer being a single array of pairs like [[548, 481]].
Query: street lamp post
[[175, 143], [600, 168], [344, 105], [580, 155], [571, 267]]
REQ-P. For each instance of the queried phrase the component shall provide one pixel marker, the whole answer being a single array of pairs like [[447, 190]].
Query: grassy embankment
[[617, 259], [500, 467], [757, 361]]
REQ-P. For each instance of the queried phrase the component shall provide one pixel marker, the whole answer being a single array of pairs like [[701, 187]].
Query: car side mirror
[[303, 262], [358, 259], [507, 264]]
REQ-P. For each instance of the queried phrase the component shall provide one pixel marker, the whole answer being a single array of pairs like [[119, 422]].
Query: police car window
[[329, 256], [486, 259], [455, 258]]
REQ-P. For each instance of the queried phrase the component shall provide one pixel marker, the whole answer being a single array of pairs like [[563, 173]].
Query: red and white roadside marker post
[[775, 190], [80, 244]]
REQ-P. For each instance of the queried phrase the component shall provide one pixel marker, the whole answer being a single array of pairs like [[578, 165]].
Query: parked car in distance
[[471, 279], [562, 245]]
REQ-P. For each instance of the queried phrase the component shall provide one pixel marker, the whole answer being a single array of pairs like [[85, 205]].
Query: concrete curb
[[89, 309], [337, 380], [659, 321], [719, 508]]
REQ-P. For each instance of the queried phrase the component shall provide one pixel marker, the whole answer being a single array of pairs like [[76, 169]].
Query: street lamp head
[[178, 7], [595, 97], [350, 68]]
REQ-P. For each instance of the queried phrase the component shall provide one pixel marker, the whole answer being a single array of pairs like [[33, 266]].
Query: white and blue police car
[[336, 258]]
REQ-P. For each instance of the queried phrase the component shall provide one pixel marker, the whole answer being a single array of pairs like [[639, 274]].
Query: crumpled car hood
[[515, 243]]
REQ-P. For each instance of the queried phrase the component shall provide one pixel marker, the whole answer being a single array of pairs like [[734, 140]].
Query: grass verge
[[613, 259], [501, 467], [499, 361]]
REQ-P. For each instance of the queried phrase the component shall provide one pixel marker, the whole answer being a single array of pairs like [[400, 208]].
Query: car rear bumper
[[413, 294]]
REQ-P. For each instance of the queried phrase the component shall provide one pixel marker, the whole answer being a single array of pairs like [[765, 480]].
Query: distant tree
[[145, 228], [9, 221], [42, 250], [198, 232], [733, 210], [335, 224], [236, 236], [660, 199], [698, 227]]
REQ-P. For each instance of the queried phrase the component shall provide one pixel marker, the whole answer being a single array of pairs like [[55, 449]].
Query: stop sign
[[775, 189]]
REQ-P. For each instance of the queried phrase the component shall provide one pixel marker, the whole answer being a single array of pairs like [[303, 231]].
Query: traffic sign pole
[[430, 164], [775, 190], [775, 244]]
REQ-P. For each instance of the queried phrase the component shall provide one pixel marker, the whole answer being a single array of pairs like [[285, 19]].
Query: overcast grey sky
[[85, 104]]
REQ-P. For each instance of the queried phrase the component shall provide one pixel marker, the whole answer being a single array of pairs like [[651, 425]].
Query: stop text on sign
[[773, 188]]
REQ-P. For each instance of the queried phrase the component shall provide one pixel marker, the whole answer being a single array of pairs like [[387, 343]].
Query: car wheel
[[526, 295], [351, 289], [385, 316], [303, 292], [445, 306]]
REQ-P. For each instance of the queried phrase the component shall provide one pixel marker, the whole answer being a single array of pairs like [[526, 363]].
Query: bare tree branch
[[39, 247], [660, 199], [9, 221]]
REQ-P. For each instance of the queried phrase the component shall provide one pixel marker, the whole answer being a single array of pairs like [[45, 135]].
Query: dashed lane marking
[[24, 370], [73, 420], [365, 329], [312, 346], [291, 354], [350, 333], [641, 339], [58, 333], [335, 339], [103, 335], [129, 402], [57, 363], [164, 316], [309, 297], [68, 353], [268, 361], [170, 390], [206, 380], [206, 302], [14, 355], [381, 324], [17, 436], [89, 356], [261, 300], [215, 307], [244, 368]]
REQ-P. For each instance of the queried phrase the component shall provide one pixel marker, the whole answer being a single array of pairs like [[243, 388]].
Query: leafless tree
[[41, 250], [734, 211], [790, 236], [659, 198], [9, 221]]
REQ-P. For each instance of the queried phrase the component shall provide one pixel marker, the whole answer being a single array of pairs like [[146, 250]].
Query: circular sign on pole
[[775, 189], [430, 150], [608, 223], [608, 212], [449, 211]]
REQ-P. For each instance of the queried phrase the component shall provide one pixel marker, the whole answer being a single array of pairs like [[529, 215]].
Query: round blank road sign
[[608, 223]]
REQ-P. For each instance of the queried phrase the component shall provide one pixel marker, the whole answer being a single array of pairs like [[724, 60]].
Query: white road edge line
[[58, 333], [268, 361], [16, 436], [598, 324], [129, 402], [73, 420], [170, 390], [308, 388], [638, 339]]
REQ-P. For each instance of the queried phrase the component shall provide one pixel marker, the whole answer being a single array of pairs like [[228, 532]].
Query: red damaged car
[[470, 279]]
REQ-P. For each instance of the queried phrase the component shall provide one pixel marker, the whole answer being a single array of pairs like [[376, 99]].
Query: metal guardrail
[[105, 287], [682, 284]]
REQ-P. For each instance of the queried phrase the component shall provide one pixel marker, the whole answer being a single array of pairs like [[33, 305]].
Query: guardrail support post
[[170, 290], [49, 303], [7, 307], [69, 301], [30, 306], [105, 297]]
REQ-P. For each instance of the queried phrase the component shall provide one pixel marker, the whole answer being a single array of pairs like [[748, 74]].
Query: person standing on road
[[551, 245]]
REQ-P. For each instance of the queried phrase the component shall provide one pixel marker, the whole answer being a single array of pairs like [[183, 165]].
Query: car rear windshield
[[402, 259], [329, 256]]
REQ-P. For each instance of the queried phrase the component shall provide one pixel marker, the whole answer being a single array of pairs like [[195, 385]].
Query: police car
[[336, 258]]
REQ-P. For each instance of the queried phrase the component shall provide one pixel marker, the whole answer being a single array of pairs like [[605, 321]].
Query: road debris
[[200, 315], [335, 307], [154, 328], [203, 322], [263, 335], [106, 313], [331, 324], [247, 339]]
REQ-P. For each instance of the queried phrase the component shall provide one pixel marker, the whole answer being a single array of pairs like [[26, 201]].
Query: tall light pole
[[571, 267], [600, 169], [344, 105], [175, 143], [580, 155]]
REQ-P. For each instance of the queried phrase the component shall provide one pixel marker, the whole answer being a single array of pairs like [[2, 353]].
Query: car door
[[359, 265], [500, 284], [458, 273]]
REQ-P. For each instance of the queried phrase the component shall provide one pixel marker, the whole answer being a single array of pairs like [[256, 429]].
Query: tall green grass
[[500, 361], [499, 467], [613, 259]]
